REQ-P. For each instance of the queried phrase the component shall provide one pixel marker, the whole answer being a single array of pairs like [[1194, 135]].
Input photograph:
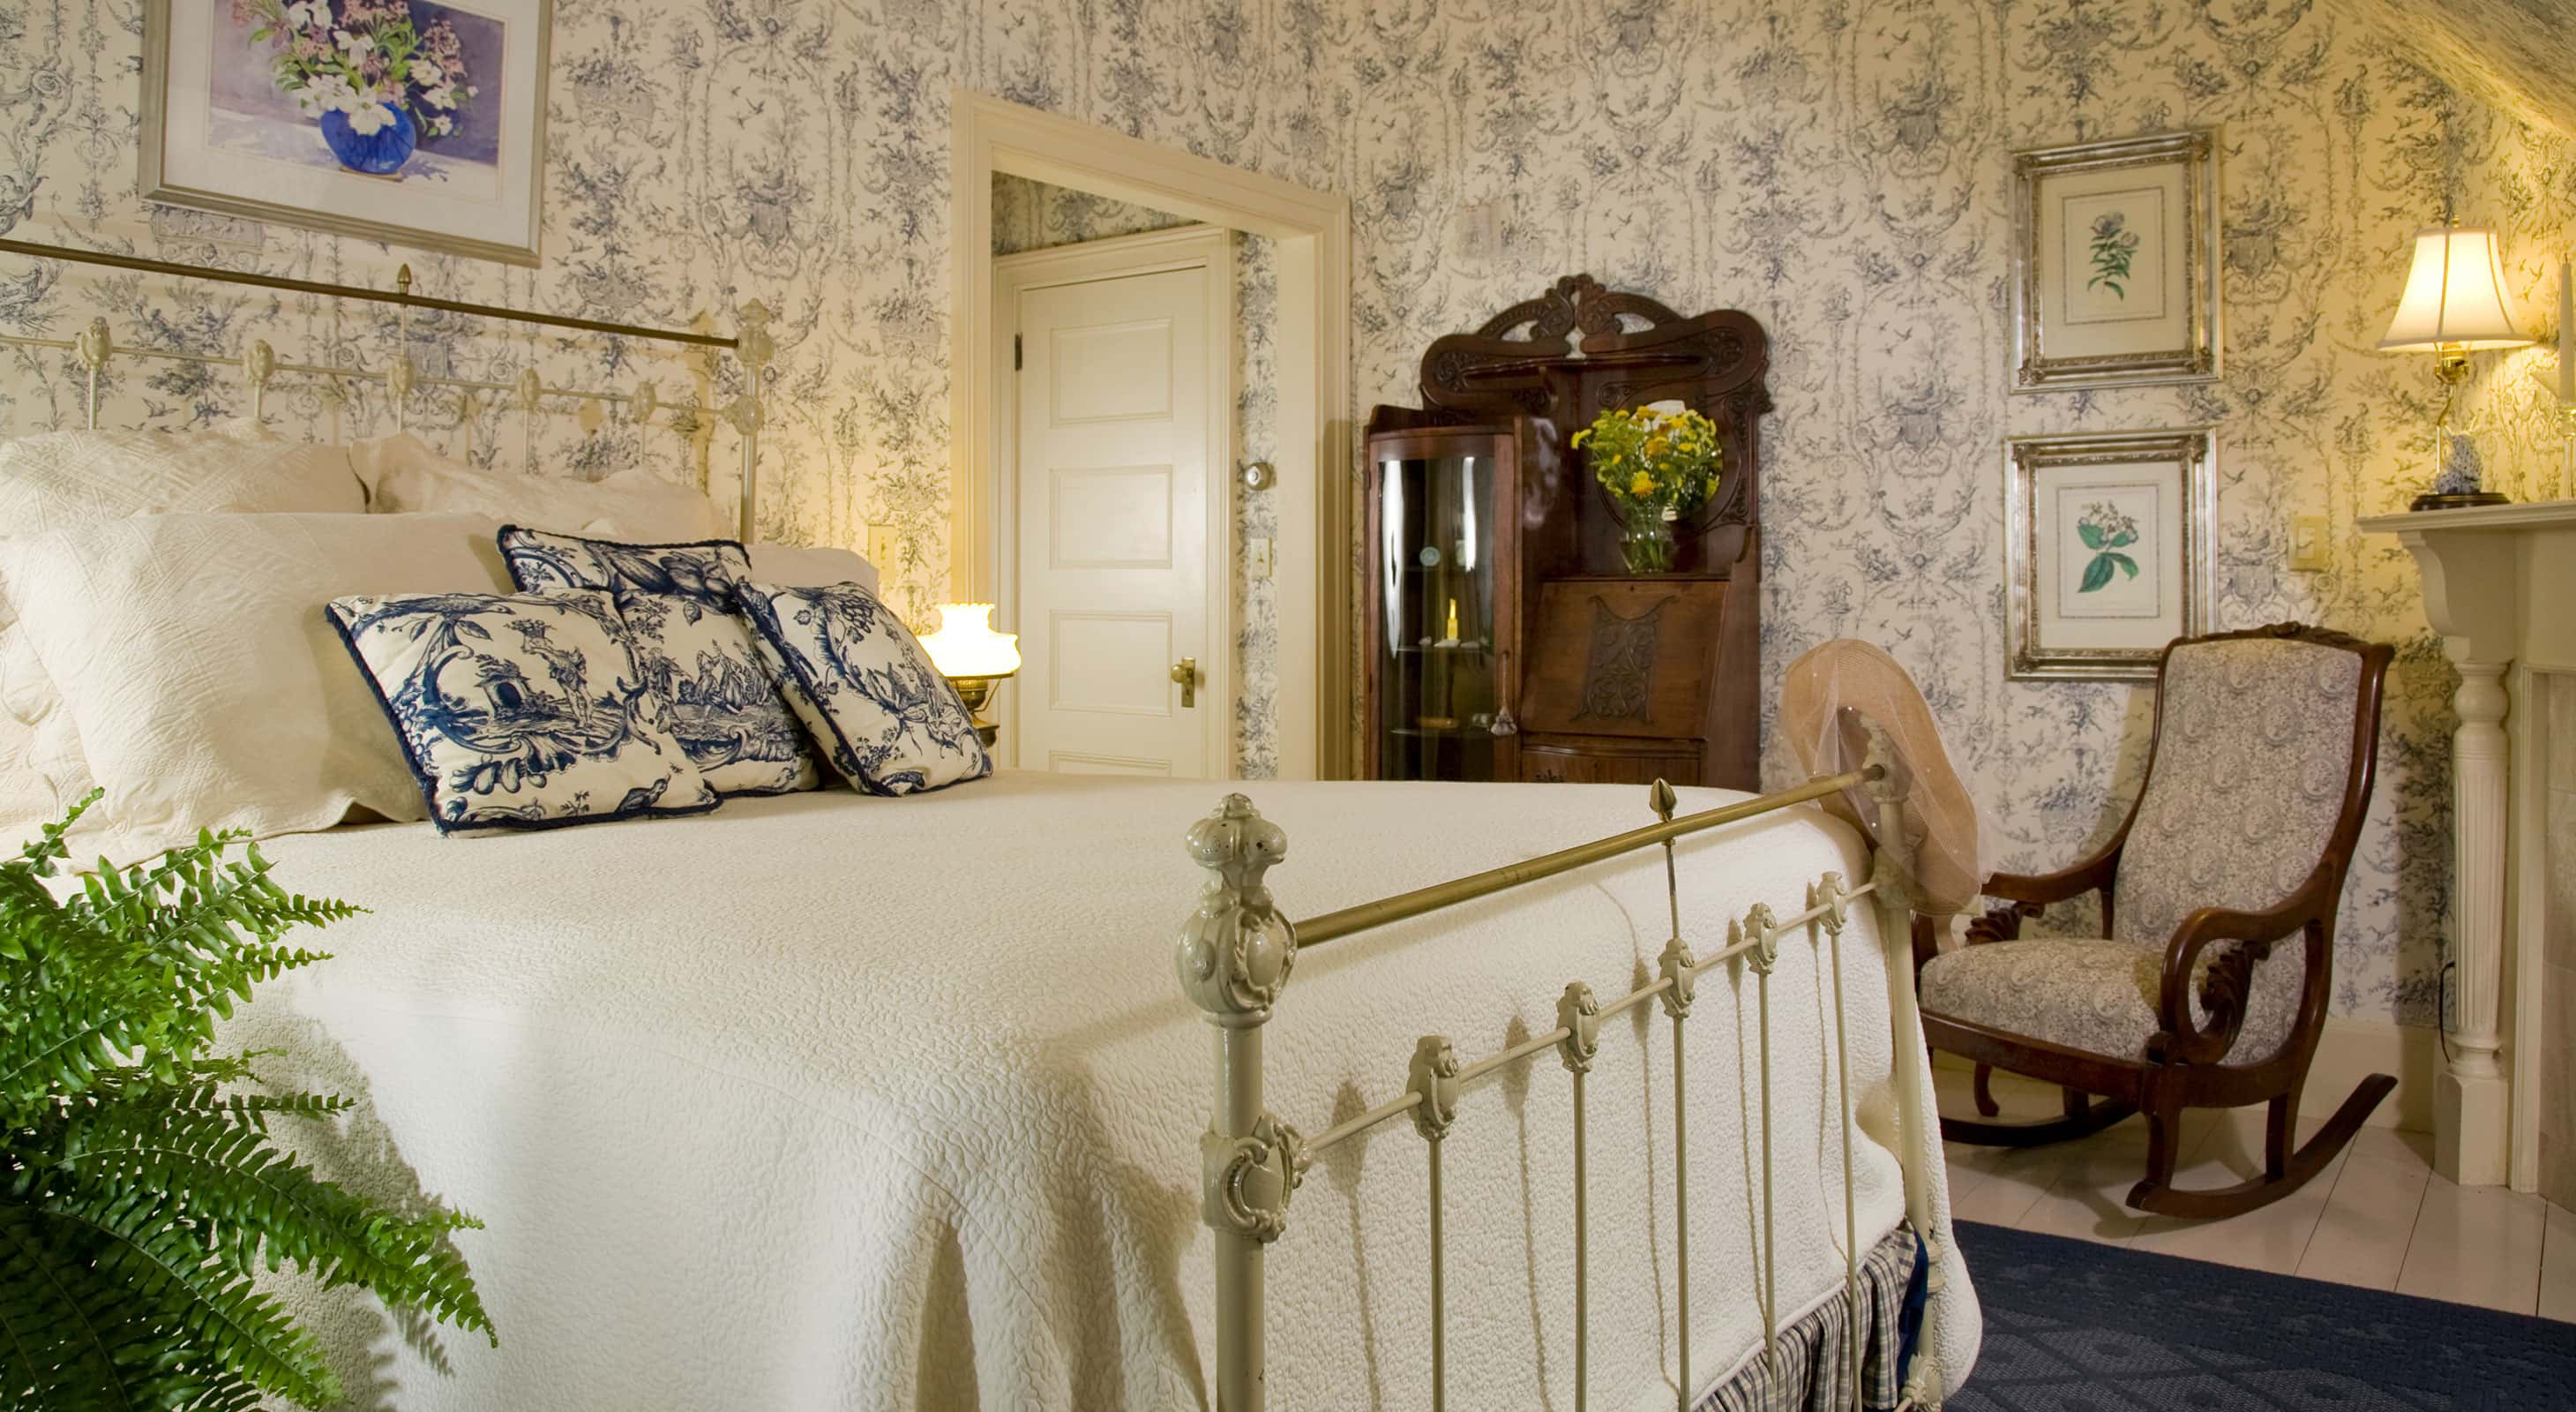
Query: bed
[[826, 1100]]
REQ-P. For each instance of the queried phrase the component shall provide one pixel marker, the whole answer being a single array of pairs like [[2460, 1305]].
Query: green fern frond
[[71, 1337], [140, 1192], [212, 1305]]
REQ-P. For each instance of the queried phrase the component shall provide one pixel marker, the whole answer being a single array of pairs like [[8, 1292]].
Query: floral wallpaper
[[1838, 169], [1032, 215], [1842, 172]]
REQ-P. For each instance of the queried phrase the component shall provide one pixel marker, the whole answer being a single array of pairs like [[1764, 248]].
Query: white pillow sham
[[807, 566], [52, 480], [404, 476], [208, 686]]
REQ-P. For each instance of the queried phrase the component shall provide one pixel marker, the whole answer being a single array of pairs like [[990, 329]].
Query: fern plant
[[139, 1186]]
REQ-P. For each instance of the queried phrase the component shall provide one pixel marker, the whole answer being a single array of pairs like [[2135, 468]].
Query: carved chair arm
[[2029, 894], [2226, 990], [2040, 889]]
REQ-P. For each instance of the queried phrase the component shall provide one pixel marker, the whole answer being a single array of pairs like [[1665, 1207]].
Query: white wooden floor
[[2378, 1217]]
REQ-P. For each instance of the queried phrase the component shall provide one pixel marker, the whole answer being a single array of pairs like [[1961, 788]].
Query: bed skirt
[[1813, 1371]]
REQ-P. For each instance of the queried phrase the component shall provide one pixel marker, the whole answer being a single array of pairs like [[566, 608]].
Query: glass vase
[[1648, 546]]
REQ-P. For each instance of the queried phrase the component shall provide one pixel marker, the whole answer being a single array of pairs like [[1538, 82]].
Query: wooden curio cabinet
[[1442, 604], [1505, 638]]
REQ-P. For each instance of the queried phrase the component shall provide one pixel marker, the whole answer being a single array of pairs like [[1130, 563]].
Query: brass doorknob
[[1185, 672]]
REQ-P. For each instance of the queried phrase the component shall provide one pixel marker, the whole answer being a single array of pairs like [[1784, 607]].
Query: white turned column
[[2470, 1116], [2497, 582]]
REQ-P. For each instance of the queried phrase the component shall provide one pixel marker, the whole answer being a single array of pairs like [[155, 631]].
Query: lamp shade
[[967, 646], [2454, 298]]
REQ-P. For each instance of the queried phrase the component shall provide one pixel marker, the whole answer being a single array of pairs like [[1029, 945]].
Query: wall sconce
[[2453, 306], [974, 658]]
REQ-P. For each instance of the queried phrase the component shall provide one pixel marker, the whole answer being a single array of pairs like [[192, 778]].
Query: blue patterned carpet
[[2072, 1326]]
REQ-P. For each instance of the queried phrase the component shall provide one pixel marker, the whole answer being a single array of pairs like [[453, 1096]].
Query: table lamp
[[974, 658], [2454, 305]]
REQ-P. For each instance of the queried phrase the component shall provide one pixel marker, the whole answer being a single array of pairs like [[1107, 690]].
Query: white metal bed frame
[[1234, 958], [1236, 950], [752, 345]]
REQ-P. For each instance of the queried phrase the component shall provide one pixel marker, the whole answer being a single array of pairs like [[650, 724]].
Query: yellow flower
[[1641, 484], [1657, 446], [1581, 437]]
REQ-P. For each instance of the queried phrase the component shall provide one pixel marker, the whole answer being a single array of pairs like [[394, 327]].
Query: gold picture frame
[[2115, 263], [221, 134], [2110, 550]]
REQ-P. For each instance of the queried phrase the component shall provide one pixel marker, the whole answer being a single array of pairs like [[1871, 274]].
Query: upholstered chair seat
[[2088, 993], [2219, 893]]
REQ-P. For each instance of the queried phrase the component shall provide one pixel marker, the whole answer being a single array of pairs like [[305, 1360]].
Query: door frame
[[1209, 249], [1314, 488]]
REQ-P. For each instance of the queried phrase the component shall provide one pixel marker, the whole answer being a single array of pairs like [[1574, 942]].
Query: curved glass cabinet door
[[1436, 678]]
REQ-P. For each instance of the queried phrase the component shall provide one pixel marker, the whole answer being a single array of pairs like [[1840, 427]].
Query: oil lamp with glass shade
[[974, 658]]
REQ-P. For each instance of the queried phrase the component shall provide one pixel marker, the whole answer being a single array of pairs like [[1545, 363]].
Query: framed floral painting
[[2116, 254], [415, 122], [2109, 551]]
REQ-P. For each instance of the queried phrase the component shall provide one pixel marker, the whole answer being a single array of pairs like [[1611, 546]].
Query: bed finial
[[402, 280], [95, 346], [754, 346], [1236, 950], [259, 364], [400, 378]]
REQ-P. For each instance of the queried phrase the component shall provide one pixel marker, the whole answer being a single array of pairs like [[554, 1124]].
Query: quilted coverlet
[[826, 1101]]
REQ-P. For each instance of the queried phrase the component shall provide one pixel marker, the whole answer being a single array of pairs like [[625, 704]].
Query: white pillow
[[404, 476], [56, 479], [63, 478], [807, 566], [208, 685]]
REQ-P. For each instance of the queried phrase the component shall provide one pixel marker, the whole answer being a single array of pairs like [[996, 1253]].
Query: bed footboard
[[1234, 959]]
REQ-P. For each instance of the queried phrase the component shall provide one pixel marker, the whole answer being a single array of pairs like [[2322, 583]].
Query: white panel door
[[1114, 490]]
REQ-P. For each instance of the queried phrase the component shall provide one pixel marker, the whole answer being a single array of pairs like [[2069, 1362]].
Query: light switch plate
[[1257, 553], [884, 546], [2308, 553]]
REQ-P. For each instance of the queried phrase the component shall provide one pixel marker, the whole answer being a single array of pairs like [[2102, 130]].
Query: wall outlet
[[1257, 553], [884, 546], [2308, 552]]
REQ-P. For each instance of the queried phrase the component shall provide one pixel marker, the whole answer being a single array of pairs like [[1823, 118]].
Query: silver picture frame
[[158, 183], [2061, 341], [2163, 486]]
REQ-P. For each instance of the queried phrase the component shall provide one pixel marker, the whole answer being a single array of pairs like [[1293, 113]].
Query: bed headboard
[[751, 345]]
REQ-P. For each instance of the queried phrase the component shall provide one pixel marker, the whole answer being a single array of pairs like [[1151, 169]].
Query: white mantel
[[2500, 589]]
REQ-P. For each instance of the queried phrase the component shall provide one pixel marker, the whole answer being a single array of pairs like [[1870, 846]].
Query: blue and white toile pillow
[[523, 711], [863, 684], [693, 645]]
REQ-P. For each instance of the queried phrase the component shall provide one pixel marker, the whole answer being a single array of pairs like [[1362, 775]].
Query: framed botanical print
[[417, 122], [2116, 255], [2109, 550]]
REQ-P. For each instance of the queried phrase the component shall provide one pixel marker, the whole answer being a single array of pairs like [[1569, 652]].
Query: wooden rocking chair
[[2209, 986]]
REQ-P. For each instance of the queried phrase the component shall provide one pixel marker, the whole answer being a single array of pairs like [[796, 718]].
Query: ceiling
[[2522, 51]]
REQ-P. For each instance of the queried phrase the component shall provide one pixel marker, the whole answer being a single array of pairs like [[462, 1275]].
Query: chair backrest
[[2264, 746]]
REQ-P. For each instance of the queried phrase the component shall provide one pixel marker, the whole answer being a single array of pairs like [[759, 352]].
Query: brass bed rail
[[752, 346], [1234, 959]]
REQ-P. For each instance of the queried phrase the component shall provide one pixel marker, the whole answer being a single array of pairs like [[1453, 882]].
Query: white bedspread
[[837, 1102]]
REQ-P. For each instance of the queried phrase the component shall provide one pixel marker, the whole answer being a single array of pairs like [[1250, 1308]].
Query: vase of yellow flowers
[[1657, 463]]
